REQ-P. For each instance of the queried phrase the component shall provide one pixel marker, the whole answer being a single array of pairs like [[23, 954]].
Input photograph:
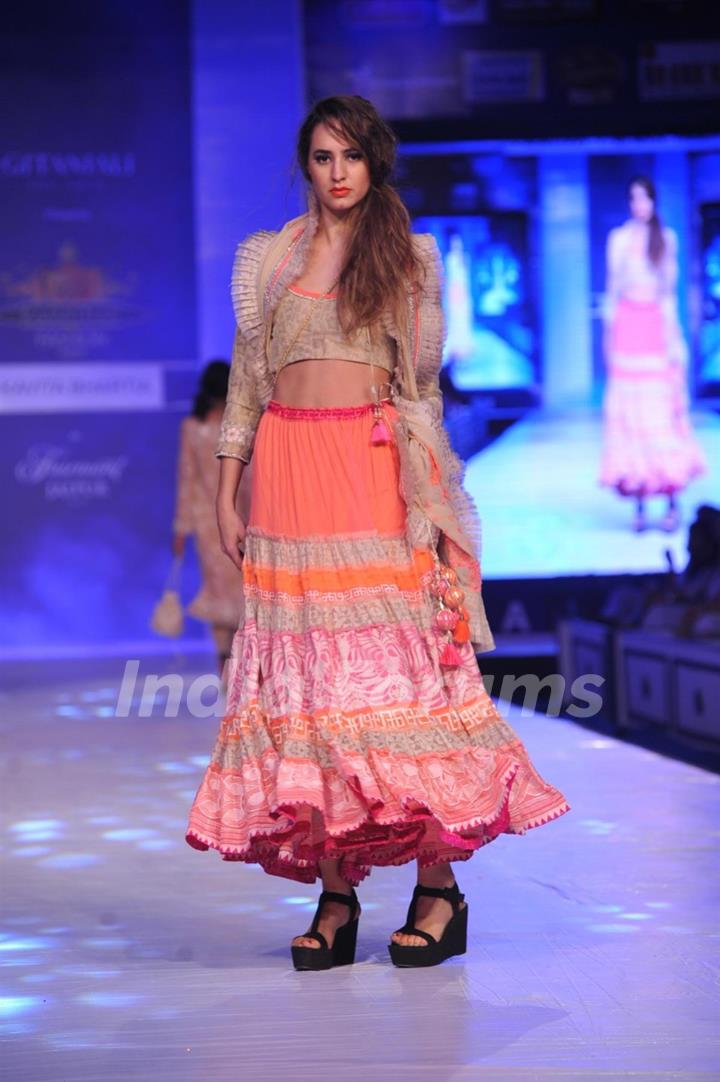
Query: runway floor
[[128, 956], [544, 513]]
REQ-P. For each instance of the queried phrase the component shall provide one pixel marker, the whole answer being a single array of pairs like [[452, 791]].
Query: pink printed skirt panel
[[344, 738]]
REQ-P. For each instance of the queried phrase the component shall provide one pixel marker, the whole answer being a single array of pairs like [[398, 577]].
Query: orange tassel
[[450, 656], [461, 632]]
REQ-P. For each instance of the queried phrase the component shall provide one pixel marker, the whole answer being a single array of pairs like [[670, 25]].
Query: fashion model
[[648, 444], [358, 731], [219, 601], [459, 340]]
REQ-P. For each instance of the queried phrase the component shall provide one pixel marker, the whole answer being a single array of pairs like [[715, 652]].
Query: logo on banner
[[493, 76], [81, 388], [679, 70], [49, 164], [68, 303], [66, 477]]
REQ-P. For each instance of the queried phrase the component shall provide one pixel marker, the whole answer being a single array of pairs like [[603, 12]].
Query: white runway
[[128, 956], [544, 514]]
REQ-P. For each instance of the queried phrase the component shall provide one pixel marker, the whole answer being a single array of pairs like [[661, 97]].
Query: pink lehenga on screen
[[649, 447]]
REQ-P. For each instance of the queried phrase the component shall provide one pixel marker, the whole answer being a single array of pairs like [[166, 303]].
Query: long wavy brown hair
[[656, 239], [380, 264]]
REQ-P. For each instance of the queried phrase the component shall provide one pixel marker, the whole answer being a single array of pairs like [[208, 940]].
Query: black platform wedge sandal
[[452, 941], [342, 952]]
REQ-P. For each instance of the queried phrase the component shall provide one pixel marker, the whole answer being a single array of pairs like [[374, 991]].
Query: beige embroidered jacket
[[440, 513]]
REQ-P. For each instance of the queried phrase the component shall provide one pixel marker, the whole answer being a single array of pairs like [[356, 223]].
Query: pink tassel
[[450, 656], [380, 433]]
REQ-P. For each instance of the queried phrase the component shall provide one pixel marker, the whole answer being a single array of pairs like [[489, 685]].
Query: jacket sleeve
[[430, 330], [247, 386], [242, 408]]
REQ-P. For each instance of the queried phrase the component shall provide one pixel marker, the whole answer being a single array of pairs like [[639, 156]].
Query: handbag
[[168, 618]]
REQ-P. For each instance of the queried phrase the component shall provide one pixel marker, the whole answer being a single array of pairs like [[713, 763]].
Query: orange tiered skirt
[[344, 737]]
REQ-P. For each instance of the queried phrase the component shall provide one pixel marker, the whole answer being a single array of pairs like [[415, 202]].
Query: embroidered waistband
[[320, 413]]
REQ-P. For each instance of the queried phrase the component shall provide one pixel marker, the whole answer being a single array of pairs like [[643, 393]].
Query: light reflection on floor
[[126, 955]]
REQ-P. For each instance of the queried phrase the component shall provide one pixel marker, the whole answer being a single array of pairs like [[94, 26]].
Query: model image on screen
[[649, 447]]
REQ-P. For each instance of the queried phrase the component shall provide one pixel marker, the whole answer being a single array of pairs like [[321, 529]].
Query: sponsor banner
[[91, 501], [458, 70], [679, 71], [502, 76], [97, 255], [77, 388]]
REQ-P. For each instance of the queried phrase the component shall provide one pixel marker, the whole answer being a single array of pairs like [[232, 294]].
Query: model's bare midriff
[[315, 383]]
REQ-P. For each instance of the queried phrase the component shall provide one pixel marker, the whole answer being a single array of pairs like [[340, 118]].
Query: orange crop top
[[322, 336]]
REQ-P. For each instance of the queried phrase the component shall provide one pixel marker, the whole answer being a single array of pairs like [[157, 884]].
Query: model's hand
[[232, 533]]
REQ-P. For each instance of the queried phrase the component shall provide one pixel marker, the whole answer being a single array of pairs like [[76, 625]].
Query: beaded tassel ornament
[[379, 433], [451, 617]]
